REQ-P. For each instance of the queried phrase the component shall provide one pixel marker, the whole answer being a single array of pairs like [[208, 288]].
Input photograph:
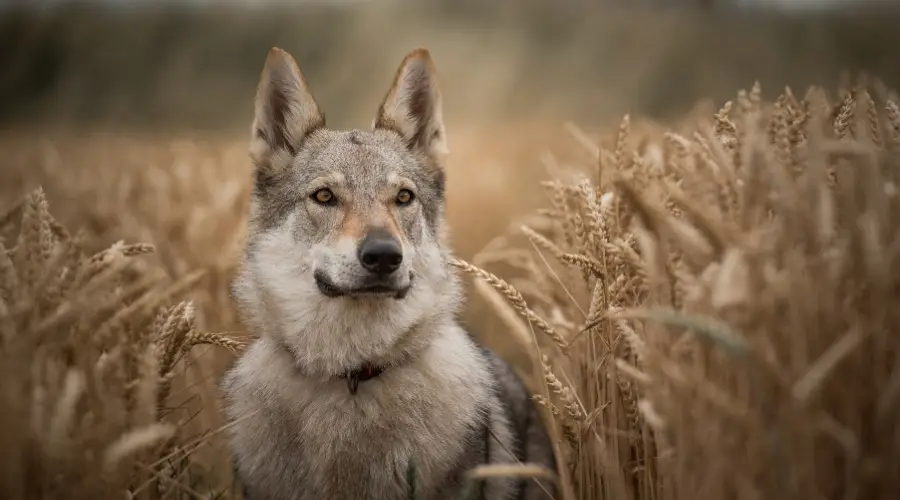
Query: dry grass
[[715, 314], [709, 305], [186, 196], [93, 350]]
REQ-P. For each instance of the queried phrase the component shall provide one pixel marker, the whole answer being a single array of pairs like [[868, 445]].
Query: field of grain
[[715, 314], [702, 294]]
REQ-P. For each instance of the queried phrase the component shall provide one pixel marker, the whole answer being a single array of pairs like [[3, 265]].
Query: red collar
[[367, 371]]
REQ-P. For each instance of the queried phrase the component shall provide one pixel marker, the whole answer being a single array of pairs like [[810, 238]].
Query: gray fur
[[296, 431]]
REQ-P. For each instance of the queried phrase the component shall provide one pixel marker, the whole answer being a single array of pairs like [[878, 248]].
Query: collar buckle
[[365, 372]]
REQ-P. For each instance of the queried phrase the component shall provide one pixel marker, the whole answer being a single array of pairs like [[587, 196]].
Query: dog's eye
[[323, 196], [404, 197]]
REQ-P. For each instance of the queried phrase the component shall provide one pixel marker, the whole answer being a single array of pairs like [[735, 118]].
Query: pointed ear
[[285, 114], [412, 107]]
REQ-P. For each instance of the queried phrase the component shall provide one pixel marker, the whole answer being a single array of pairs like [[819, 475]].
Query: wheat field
[[704, 305], [714, 314], [707, 315]]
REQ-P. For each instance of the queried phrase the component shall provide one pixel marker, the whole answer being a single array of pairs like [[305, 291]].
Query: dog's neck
[[360, 362], [407, 347], [366, 371]]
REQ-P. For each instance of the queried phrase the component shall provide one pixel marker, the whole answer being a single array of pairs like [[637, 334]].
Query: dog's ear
[[412, 107], [285, 114]]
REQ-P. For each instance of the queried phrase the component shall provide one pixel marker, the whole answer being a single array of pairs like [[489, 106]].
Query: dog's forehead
[[363, 155]]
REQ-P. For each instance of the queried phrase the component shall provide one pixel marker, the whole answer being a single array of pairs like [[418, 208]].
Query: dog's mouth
[[329, 289]]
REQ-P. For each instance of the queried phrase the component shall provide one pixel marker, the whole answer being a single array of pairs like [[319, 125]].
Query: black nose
[[380, 252]]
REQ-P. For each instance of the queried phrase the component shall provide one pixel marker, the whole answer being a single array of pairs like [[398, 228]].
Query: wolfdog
[[361, 384]]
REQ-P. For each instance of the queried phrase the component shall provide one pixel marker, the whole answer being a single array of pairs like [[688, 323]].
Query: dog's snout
[[380, 253]]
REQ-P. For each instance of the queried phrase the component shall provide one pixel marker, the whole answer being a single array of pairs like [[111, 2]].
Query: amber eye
[[323, 196], [404, 197]]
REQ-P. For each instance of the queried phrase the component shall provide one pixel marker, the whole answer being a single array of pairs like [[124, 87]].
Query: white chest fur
[[302, 438]]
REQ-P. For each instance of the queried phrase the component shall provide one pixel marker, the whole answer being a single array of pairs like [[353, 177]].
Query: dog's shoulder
[[530, 438], [505, 381], [509, 389]]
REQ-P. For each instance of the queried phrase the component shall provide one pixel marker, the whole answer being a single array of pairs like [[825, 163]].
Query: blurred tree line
[[196, 66]]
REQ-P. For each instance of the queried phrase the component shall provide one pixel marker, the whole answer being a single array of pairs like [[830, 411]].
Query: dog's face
[[347, 228], [362, 207]]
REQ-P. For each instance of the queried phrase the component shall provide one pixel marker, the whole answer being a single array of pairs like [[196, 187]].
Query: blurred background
[[193, 64], [512, 72]]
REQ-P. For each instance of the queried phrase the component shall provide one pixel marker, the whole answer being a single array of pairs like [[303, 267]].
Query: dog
[[360, 383]]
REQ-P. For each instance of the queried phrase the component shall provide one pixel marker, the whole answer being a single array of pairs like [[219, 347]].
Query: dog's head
[[347, 227]]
